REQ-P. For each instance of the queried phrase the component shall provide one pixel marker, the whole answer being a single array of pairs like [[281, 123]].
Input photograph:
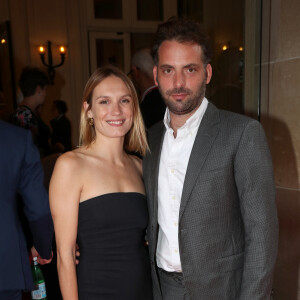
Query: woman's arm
[[64, 194]]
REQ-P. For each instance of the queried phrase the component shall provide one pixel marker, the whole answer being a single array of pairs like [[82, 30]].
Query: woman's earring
[[91, 121]]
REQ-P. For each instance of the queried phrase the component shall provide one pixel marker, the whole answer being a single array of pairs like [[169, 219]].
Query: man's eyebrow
[[165, 66], [191, 65], [186, 66]]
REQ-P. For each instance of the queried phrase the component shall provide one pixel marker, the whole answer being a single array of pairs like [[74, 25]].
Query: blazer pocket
[[231, 263]]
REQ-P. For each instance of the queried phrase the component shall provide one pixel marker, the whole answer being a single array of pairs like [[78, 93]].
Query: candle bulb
[[41, 49], [225, 47], [62, 49]]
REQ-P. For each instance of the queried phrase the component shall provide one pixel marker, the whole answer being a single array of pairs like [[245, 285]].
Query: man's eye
[[167, 71], [191, 70]]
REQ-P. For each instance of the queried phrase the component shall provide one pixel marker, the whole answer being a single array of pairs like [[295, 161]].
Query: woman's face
[[112, 108]]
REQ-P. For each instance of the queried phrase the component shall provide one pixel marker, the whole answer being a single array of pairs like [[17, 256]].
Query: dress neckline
[[110, 194]]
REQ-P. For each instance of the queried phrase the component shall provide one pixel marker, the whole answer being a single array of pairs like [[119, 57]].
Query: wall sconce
[[51, 68]]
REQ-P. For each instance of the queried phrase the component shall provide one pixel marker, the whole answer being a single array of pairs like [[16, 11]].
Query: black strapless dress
[[114, 263]]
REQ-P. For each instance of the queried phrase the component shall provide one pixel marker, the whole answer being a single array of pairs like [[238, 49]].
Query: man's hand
[[40, 260]]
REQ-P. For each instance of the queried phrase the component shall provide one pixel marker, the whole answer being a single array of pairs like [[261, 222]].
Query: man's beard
[[182, 107]]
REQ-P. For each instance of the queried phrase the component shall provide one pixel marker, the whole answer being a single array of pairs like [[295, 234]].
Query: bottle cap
[[35, 258]]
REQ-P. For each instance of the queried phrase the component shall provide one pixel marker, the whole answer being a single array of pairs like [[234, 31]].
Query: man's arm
[[255, 184], [35, 198]]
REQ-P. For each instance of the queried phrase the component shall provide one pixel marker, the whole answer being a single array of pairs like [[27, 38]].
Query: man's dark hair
[[182, 30], [30, 79], [61, 106]]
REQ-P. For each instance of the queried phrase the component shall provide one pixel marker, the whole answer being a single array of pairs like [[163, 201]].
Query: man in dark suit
[[213, 226], [21, 171], [61, 128], [151, 103]]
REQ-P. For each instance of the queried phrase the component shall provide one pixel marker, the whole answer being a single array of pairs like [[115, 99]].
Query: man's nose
[[179, 80]]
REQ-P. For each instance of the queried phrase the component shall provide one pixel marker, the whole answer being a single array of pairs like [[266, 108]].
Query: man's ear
[[38, 90], [135, 71], [208, 73], [155, 75]]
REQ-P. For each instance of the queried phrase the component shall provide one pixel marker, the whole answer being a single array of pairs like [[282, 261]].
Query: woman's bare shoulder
[[70, 161]]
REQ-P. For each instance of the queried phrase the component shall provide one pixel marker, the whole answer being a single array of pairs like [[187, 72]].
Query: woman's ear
[[86, 108]]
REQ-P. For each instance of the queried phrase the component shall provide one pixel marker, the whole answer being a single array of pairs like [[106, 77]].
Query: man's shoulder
[[229, 118], [232, 126], [153, 95], [14, 141], [9, 131], [154, 92]]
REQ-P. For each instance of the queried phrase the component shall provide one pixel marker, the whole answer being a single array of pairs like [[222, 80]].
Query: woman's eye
[[103, 102], [125, 100]]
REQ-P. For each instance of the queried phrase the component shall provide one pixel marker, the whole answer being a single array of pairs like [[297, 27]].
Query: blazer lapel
[[157, 142], [207, 132]]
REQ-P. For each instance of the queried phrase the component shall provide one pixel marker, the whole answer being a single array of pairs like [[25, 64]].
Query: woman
[[97, 197]]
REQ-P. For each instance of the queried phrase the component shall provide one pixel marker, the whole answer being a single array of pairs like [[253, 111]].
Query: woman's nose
[[116, 109]]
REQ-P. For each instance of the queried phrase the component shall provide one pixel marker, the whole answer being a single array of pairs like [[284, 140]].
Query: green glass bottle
[[39, 291]]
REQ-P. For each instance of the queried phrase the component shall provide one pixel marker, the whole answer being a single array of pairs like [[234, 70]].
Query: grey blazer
[[228, 228]]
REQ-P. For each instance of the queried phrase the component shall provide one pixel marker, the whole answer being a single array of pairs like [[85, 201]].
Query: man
[[211, 198], [21, 171], [61, 128], [151, 103], [33, 83]]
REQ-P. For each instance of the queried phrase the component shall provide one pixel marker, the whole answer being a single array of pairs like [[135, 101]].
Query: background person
[[61, 128], [97, 197], [33, 83], [151, 103], [21, 171]]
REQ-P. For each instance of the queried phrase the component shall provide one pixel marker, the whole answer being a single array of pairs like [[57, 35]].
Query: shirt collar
[[192, 122]]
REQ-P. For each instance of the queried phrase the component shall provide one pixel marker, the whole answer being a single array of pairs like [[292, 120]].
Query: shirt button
[[173, 198], [175, 224], [172, 171], [176, 250]]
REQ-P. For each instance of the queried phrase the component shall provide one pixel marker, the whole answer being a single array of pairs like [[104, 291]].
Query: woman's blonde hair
[[135, 139]]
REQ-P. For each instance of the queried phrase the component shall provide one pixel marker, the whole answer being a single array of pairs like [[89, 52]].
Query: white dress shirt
[[174, 159]]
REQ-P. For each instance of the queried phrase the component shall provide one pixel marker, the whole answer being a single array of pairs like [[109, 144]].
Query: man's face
[[181, 76]]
